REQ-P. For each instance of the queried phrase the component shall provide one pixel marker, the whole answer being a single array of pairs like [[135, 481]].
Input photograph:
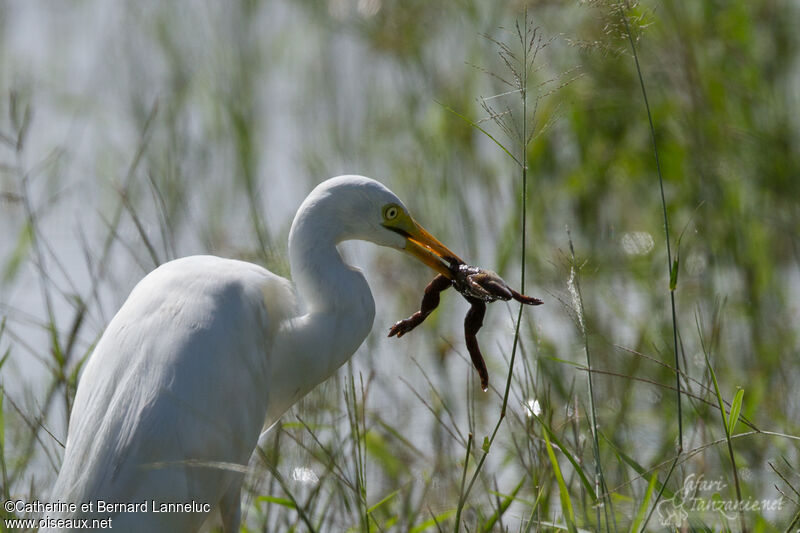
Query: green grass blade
[[432, 522], [648, 494], [534, 508], [639, 469], [581, 474], [673, 274], [504, 505], [736, 408], [386, 499], [720, 403], [382, 454], [285, 502], [20, 252], [566, 502]]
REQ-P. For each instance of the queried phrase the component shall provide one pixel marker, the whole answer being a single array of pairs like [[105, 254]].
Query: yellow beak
[[428, 249]]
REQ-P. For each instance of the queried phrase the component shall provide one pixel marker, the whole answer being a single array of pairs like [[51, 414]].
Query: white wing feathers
[[176, 375]]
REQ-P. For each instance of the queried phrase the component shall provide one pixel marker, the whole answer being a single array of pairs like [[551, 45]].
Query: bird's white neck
[[339, 310]]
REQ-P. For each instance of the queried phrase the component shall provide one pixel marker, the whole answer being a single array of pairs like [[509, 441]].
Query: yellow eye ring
[[390, 212]]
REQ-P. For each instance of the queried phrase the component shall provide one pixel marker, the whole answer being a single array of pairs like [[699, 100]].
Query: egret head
[[364, 209], [416, 240]]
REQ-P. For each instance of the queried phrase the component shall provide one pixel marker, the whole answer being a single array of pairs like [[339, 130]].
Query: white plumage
[[208, 351]]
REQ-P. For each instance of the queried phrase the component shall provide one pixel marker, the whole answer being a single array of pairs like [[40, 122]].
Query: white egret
[[206, 352]]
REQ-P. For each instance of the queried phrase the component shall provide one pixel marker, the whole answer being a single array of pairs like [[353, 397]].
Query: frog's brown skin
[[472, 323], [486, 285], [478, 287], [430, 301]]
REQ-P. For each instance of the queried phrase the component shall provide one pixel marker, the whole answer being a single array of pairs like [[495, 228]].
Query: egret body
[[206, 352]]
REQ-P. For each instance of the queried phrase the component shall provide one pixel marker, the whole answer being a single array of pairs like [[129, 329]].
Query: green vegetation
[[637, 166]]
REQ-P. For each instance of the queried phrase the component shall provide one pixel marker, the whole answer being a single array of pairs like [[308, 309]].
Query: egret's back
[[174, 391]]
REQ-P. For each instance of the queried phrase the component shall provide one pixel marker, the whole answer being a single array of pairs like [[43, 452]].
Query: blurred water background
[[134, 133]]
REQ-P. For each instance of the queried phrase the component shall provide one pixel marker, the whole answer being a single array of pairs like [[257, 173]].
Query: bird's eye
[[391, 212]]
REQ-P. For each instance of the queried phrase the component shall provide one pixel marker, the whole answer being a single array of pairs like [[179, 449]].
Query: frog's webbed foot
[[472, 323], [430, 300], [401, 327], [529, 300]]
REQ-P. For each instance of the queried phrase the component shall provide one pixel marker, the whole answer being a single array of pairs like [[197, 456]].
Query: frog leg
[[530, 300], [479, 290], [494, 289], [430, 300], [472, 323]]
